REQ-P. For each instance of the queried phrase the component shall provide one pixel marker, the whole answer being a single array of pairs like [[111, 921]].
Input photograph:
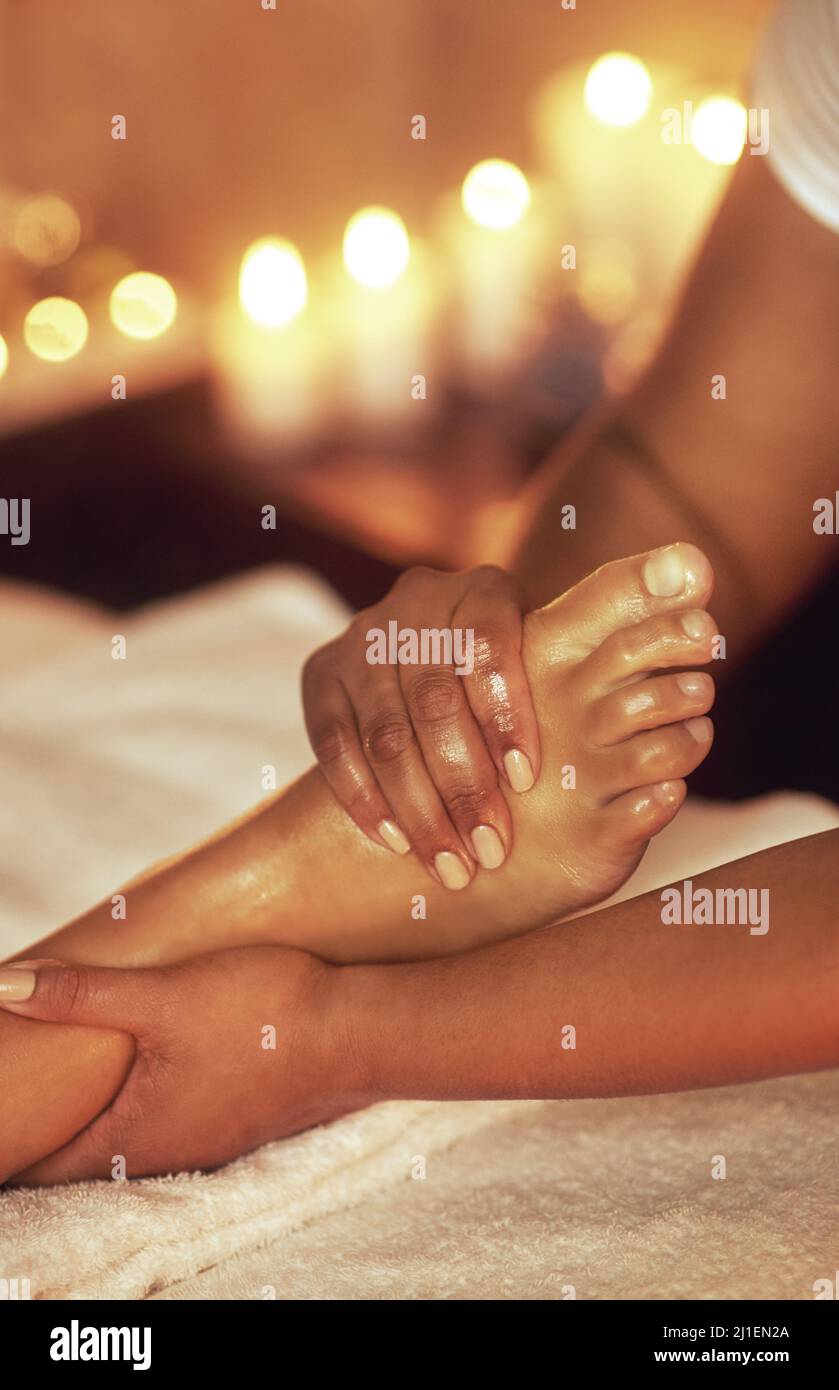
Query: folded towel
[[128, 1240]]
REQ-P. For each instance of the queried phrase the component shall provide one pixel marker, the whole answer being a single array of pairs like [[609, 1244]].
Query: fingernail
[[691, 684], [393, 837], [664, 573], [17, 983], [666, 793], [695, 625], [488, 847], [452, 870], [518, 770], [700, 728]]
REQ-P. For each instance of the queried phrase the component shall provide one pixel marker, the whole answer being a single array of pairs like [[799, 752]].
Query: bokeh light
[[45, 229], [618, 89], [4, 356], [272, 282], [495, 194], [143, 305], [55, 329], [376, 247], [718, 129]]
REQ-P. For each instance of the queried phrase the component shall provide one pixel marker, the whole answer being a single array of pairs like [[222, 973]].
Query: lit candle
[[265, 349], [495, 244], [381, 311], [603, 131], [69, 359]]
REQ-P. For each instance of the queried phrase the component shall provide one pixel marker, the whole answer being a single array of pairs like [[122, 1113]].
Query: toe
[[625, 593], [669, 639], [635, 817], [663, 755], [647, 704]]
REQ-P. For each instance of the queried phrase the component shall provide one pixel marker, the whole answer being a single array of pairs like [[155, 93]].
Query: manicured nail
[[393, 837], [518, 770], [453, 873], [666, 793], [695, 625], [488, 847], [691, 684], [664, 573], [16, 983], [701, 728]]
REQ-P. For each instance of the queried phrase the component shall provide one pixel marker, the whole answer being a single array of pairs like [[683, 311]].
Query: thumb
[[89, 995]]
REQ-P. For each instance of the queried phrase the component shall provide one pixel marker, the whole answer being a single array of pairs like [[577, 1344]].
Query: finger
[[333, 733], [393, 751], [498, 690], [458, 761], [93, 996], [92, 1154]]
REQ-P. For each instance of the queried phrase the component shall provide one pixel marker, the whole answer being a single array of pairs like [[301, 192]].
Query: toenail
[[695, 625], [700, 728], [488, 847], [691, 684], [518, 770], [666, 793], [664, 572], [452, 871]]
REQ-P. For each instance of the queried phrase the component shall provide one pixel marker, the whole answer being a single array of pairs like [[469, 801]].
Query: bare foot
[[620, 729]]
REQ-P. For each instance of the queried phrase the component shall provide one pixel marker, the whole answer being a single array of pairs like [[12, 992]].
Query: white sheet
[[110, 765]]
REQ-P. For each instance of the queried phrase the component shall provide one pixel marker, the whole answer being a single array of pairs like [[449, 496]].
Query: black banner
[[84, 1339]]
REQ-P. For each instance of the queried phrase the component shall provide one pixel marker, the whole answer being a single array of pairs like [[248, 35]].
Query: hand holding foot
[[619, 730]]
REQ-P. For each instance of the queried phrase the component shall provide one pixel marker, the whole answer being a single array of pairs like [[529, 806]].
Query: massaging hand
[[205, 1084], [414, 752]]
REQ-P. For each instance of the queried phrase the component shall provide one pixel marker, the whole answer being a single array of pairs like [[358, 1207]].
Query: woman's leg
[[298, 872]]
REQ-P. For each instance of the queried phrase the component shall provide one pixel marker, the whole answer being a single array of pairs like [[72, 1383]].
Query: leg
[[298, 871]]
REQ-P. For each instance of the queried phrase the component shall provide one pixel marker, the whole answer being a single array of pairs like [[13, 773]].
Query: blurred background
[[363, 263]]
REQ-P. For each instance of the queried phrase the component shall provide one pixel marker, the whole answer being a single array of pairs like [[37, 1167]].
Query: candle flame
[[55, 329], [495, 194], [376, 247], [46, 229], [143, 305], [718, 129], [618, 89], [272, 282]]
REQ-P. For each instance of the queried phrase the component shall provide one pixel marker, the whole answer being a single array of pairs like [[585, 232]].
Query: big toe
[[626, 592]]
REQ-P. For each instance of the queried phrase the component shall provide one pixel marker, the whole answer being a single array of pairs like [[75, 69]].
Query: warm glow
[[376, 247], [55, 329], [143, 305], [718, 129], [606, 282], [618, 89], [4, 356], [272, 282], [495, 194], [45, 229]]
